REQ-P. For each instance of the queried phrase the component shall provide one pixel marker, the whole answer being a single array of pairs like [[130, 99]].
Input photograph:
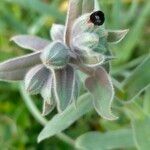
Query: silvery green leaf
[[74, 11], [16, 68], [36, 78], [64, 84], [92, 59], [62, 121], [57, 32], [101, 88], [33, 43], [47, 108], [46, 90], [87, 6], [118, 139], [115, 36], [55, 55], [89, 40], [13, 75]]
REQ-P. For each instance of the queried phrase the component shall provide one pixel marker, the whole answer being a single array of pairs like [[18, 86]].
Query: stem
[[38, 117]]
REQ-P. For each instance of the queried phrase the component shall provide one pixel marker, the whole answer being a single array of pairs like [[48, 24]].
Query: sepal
[[35, 79]]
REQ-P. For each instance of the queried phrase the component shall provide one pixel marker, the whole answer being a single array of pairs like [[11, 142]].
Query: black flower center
[[97, 18]]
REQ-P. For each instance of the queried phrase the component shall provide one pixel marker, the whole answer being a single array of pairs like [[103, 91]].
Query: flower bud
[[55, 55]]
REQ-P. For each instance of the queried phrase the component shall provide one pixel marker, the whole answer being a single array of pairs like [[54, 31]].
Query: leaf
[[118, 139], [62, 121], [138, 81], [115, 36], [15, 69], [64, 85], [13, 75], [74, 11], [33, 43], [141, 133], [57, 32], [55, 55], [87, 6], [36, 78], [101, 88]]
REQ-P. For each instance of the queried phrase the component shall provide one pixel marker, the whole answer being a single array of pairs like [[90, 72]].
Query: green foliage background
[[18, 129]]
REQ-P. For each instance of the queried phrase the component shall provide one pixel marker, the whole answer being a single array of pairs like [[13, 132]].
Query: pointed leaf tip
[[33, 43], [115, 36]]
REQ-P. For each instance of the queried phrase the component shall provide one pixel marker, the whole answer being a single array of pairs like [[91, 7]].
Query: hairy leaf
[[62, 121], [15, 69], [33, 43], [57, 32], [119, 139], [101, 88], [13, 75]]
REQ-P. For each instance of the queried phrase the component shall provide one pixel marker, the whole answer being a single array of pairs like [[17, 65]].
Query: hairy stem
[[37, 115]]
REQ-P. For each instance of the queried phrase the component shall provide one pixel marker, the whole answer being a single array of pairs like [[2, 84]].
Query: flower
[[50, 70]]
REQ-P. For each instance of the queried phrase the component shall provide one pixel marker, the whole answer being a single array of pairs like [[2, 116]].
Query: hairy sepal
[[64, 86], [100, 86], [36, 78]]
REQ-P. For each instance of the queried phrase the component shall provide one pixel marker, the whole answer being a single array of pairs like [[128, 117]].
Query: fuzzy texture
[[51, 69]]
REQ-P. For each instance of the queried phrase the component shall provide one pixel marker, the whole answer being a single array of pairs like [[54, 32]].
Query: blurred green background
[[18, 129]]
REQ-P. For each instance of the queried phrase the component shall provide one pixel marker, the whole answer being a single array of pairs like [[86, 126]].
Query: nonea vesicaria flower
[[51, 68]]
